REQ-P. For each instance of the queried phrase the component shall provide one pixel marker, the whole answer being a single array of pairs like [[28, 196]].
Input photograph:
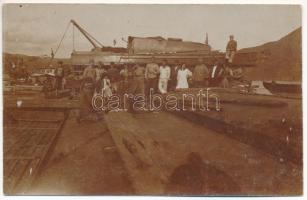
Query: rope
[[73, 38], [61, 39], [54, 53]]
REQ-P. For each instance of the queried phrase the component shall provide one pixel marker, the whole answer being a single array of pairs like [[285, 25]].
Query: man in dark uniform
[[136, 82], [114, 76], [151, 76], [174, 71], [200, 74], [87, 91], [59, 75], [123, 86]]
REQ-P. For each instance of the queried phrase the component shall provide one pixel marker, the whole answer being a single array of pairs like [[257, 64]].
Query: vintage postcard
[[152, 99]]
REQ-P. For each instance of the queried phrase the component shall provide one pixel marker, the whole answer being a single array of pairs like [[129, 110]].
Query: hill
[[283, 59]]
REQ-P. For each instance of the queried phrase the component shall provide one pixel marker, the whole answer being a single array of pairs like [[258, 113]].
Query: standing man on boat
[[201, 74], [174, 70], [59, 75], [114, 76], [136, 84], [139, 75], [87, 91], [124, 75], [231, 49], [99, 70], [90, 71], [151, 74]]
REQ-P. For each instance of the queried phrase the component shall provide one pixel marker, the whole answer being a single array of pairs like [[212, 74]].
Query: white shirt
[[165, 72]]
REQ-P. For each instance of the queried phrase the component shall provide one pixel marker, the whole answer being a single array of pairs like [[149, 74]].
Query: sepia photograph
[[152, 99]]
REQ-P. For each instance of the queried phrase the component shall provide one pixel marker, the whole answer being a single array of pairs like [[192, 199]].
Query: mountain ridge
[[284, 54]]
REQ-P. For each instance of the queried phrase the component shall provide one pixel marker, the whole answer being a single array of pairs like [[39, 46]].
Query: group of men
[[154, 77]]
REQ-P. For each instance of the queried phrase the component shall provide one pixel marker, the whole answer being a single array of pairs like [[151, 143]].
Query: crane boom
[[90, 38]]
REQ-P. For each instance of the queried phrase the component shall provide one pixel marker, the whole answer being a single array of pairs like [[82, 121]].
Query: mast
[[90, 38]]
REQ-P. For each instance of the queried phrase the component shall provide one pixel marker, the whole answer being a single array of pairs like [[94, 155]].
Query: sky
[[33, 29]]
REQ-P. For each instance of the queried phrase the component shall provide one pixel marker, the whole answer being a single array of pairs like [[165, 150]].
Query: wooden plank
[[29, 151], [8, 167], [46, 137], [13, 151], [35, 138], [15, 176], [38, 120], [27, 178], [141, 156], [38, 151], [20, 129]]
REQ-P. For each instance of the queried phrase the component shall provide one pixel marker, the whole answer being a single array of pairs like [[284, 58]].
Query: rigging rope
[[54, 53], [73, 38], [62, 39]]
